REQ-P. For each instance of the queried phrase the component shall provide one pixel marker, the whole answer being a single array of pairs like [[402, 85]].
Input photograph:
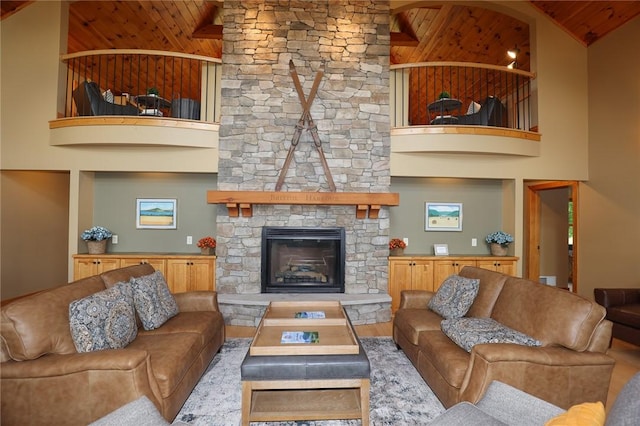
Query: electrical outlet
[[189, 240], [406, 241], [474, 242], [114, 239]]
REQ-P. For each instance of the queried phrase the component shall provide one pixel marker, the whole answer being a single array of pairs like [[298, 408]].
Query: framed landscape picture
[[443, 216], [156, 213]]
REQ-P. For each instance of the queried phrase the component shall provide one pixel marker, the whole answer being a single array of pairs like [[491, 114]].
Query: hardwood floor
[[627, 356]]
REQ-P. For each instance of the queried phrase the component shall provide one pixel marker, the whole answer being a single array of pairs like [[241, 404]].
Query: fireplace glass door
[[302, 260]]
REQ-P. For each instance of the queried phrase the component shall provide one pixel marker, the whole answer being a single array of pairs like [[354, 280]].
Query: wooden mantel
[[365, 202]]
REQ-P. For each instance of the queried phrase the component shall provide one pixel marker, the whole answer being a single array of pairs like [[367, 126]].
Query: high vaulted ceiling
[[429, 32]]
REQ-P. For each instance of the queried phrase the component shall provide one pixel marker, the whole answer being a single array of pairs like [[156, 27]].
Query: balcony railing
[[143, 83], [461, 94]]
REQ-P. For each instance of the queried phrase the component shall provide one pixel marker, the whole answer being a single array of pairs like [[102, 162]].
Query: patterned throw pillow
[[104, 320], [455, 296], [468, 332], [153, 301]]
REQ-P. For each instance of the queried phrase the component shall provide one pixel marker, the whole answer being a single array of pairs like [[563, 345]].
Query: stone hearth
[[349, 42]]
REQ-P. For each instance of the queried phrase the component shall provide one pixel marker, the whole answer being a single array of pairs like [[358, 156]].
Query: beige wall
[[609, 237], [35, 208]]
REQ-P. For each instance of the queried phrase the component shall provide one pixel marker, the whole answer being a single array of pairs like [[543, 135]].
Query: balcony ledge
[[465, 139], [133, 131]]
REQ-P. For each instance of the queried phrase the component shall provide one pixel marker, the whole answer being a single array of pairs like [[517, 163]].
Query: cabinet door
[[158, 264], [422, 275], [505, 266], [201, 275], [178, 275], [445, 268], [87, 267], [190, 274], [83, 268], [399, 279], [107, 264]]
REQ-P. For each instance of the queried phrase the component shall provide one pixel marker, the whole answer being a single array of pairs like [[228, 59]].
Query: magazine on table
[[310, 314], [300, 337]]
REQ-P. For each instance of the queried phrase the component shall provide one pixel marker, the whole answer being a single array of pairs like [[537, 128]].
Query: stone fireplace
[[348, 40]]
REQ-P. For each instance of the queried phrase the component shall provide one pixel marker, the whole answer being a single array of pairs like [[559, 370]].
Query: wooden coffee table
[[305, 381]]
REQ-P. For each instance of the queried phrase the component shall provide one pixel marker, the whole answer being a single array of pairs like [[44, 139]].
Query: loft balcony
[[463, 107], [139, 97], [144, 97]]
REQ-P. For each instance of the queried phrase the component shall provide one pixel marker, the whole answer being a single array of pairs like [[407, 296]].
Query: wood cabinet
[[445, 267], [428, 272], [183, 272], [408, 274], [93, 265], [189, 274]]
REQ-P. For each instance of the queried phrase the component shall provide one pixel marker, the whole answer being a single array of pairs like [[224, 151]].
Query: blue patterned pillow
[[454, 297], [468, 332], [153, 301], [104, 320]]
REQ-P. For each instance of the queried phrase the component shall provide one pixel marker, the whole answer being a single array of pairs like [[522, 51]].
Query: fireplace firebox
[[303, 260]]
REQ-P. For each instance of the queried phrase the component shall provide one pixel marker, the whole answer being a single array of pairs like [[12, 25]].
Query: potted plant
[[207, 245], [444, 95], [153, 91], [396, 247], [96, 238], [499, 242]]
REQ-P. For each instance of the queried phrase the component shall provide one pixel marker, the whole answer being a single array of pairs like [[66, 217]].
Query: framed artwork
[[443, 216], [156, 213]]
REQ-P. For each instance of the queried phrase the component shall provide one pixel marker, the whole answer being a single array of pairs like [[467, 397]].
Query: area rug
[[399, 396]]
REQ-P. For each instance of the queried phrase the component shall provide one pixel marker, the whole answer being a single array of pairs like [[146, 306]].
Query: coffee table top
[[336, 336]]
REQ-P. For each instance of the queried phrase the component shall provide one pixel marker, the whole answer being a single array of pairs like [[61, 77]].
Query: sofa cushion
[[444, 357], [39, 324], [455, 296], [153, 300], [491, 283], [411, 322], [171, 354], [104, 320], [519, 307], [115, 276], [205, 324], [468, 332]]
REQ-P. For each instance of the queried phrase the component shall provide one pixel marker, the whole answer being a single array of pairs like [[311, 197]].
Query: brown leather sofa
[[623, 310], [44, 380], [570, 367]]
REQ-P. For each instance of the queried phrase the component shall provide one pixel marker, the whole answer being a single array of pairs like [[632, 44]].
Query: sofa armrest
[[194, 301], [415, 299], [89, 385], [561, 376], [610, 297]]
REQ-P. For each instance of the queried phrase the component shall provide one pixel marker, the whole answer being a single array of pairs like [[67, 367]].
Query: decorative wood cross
[[305, 122]]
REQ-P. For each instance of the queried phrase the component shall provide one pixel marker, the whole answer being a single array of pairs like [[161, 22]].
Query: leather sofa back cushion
[[551, 315], [491, 284], [39, 324]]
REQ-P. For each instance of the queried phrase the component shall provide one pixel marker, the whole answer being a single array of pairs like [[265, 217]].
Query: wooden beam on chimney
[[241, 202]]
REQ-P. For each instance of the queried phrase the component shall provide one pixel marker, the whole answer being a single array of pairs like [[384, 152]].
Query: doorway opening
[[551, 234]]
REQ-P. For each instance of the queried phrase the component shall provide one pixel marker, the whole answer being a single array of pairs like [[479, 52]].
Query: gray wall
[[115, 197], [481, 212]]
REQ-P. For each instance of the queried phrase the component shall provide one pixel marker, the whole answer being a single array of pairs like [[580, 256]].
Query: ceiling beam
[[209, 31], [403, 39]]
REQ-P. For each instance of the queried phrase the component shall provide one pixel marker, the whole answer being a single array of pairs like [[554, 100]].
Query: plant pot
[[396, 252], [97, 247], [207, 250], [498, 250]]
